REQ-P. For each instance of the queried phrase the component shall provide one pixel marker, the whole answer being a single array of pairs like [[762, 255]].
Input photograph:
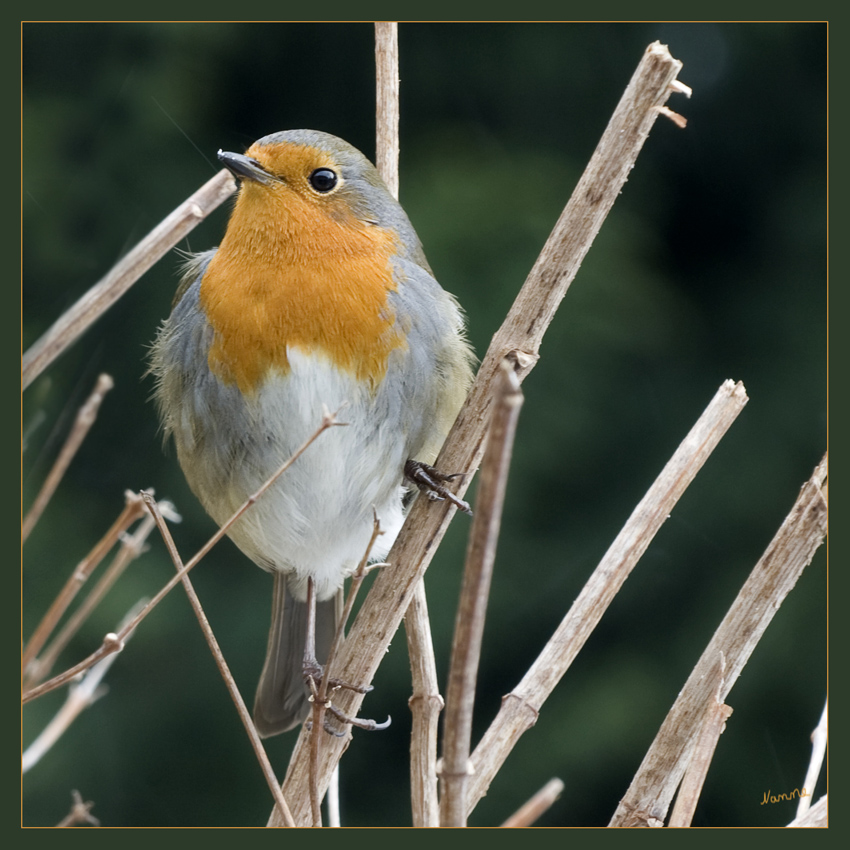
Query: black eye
[[323, 179]]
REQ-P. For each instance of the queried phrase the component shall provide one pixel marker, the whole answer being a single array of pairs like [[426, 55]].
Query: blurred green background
[[711, 266]]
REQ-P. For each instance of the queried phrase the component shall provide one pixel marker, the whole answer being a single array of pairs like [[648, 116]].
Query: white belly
[[316, 521]]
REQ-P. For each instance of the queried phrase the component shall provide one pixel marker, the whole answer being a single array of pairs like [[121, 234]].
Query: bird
[[318, 296]]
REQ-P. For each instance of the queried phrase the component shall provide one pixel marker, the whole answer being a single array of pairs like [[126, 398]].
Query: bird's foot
[[313, 675], [431, 482]]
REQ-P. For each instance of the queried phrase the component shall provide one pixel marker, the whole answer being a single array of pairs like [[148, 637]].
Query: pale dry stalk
[[425, 701], [520, 708], [817, 817], [819, 741], [648, 797], [474, 595], [80, 813], [426, 704], [81, 694], [531, 811], [713, 725], [131, 547], [224, 670], [133, 509], [86, 417], [518, 339], [386, 103]]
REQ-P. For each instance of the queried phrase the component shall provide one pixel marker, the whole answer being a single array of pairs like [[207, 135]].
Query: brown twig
[[320, 695], [81, 695], [80, 812], [474, 594], [82, 424], [527, 814], [71, 324], [425, 707], [133, 509], [357, 577], [771, 580], [712, 727], [218, 656], [518, 339], [113, 642], [520, 708], [131, 548]]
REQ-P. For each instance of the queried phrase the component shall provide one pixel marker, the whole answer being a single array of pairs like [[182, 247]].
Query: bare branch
[[82, 424], [425, 702], [771, 580], [332, 798], [111, 643], [71, 324], [819, 740], [694, 778], [425, 707], [474, 594], [80, 813], [816, 817], [218, 656], [386, 103], [131, 547], [133, 509], [527, 814], [81, 695], [520, 708], [518, 339]]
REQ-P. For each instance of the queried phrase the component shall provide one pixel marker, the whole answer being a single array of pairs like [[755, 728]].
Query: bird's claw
[[431, 482]]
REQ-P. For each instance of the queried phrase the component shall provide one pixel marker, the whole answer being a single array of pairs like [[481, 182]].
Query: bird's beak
[[244, 168]]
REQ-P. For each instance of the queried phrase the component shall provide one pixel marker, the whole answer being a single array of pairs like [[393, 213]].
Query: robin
[[318, 295]]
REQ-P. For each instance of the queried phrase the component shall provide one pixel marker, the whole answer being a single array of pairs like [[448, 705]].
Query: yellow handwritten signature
[[779, 798]]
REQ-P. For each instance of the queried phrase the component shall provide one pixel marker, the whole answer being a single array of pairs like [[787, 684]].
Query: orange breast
[[288, 273]]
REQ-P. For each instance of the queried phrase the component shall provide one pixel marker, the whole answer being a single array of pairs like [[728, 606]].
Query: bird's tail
[[281, 702]]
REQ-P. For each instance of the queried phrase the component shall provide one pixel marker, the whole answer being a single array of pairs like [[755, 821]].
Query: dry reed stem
[[529, 812], [320, 697], [713, 725], [773, 577], [819, 741], [111, 643], [425, 702], [520, 708], [332, 798], [357, 577], [472, 606], [74, 321], [86, 417], [226, 675], [131, 548], [80, 812], [386, 103], [817, 817], [133, 509], [318, 709], [425, 707], [519, 339], [81, 694]]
